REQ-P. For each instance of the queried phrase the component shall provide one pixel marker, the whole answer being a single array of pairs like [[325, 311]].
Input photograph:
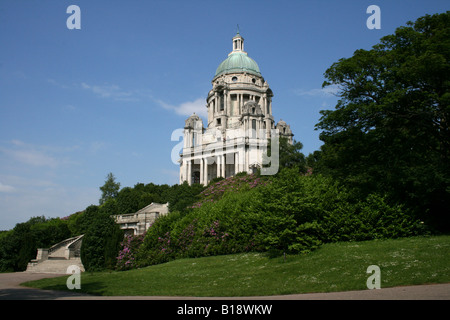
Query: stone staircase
[[58, 258]]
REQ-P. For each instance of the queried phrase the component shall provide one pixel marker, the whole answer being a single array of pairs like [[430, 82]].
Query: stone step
[[54, 266]]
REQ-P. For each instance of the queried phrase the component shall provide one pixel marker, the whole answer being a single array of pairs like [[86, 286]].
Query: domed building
[[240, 122]]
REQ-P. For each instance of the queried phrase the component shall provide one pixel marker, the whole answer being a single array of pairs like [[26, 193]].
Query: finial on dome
[[238, 42]]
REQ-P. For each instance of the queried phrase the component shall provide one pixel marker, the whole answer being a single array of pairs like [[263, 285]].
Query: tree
[[128, 200], [390, 129], [289, 155], [183, 195], [110, 189], [101, 241]]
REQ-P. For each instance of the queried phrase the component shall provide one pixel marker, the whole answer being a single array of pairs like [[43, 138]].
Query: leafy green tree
[[183, 195], [389, 132], [101, 240], [290, 155], [109, 207], [128, 200], [110, 189]]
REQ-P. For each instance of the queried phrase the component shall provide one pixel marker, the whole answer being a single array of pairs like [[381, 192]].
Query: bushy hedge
[[289, 213], [101, 240]]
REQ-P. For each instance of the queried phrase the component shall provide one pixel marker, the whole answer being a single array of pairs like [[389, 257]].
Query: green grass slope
[[334, 267]]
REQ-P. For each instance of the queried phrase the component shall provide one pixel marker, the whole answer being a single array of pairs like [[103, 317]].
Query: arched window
[[222, 101], [254, 128]]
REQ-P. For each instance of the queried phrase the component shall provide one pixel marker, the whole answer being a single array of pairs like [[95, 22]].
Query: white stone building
[[138, 223], [240, 122]]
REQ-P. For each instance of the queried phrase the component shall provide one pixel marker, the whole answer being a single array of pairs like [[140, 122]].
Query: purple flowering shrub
[[128, 249], [291, 213], [211, 229]]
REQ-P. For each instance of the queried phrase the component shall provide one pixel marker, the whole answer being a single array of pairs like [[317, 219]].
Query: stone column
[[185, 170], [222, 161], [247, 158], [225, 103], [189, 172], [264, 103], [205, 175], [201, 171], [218, 165], [181, 172], [240, 103], [216, 103]]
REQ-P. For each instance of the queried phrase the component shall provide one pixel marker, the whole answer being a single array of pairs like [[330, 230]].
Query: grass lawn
[[333, 267]]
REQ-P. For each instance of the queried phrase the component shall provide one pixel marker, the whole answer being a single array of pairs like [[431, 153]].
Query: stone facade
[[240, 122], [58, 258], [138, 223]]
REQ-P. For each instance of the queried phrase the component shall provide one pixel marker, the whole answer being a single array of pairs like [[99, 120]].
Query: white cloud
[[96, 146], [5, 188], [69, 108], [112, 91], [31, 157], [35, 155], [188, 108], [327, 91], [56, 83]]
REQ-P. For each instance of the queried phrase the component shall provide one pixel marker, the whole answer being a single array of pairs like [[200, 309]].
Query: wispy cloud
[[58, 84], [34, 155], [6, 188], [318, 92], [187, 108], [118, 93], [111, 91], [35, 158]]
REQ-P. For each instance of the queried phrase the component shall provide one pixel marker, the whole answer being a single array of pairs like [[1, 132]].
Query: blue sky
[[78, 104]]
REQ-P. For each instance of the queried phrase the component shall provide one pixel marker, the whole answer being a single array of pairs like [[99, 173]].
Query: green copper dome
[[238, 62]]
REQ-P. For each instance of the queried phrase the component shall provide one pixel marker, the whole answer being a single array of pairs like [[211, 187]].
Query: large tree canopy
[[390, 129]]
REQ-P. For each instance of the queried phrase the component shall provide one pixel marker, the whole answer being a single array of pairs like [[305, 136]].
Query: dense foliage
[[289, 212], [101, 240], [18, 246], [390, 131]]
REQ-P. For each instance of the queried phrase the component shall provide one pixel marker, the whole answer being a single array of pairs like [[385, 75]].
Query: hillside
[[334, 267]]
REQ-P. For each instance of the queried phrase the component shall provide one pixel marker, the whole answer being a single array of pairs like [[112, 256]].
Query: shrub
[[290, 212], [128, 250], [372, 218], [101, 240]]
